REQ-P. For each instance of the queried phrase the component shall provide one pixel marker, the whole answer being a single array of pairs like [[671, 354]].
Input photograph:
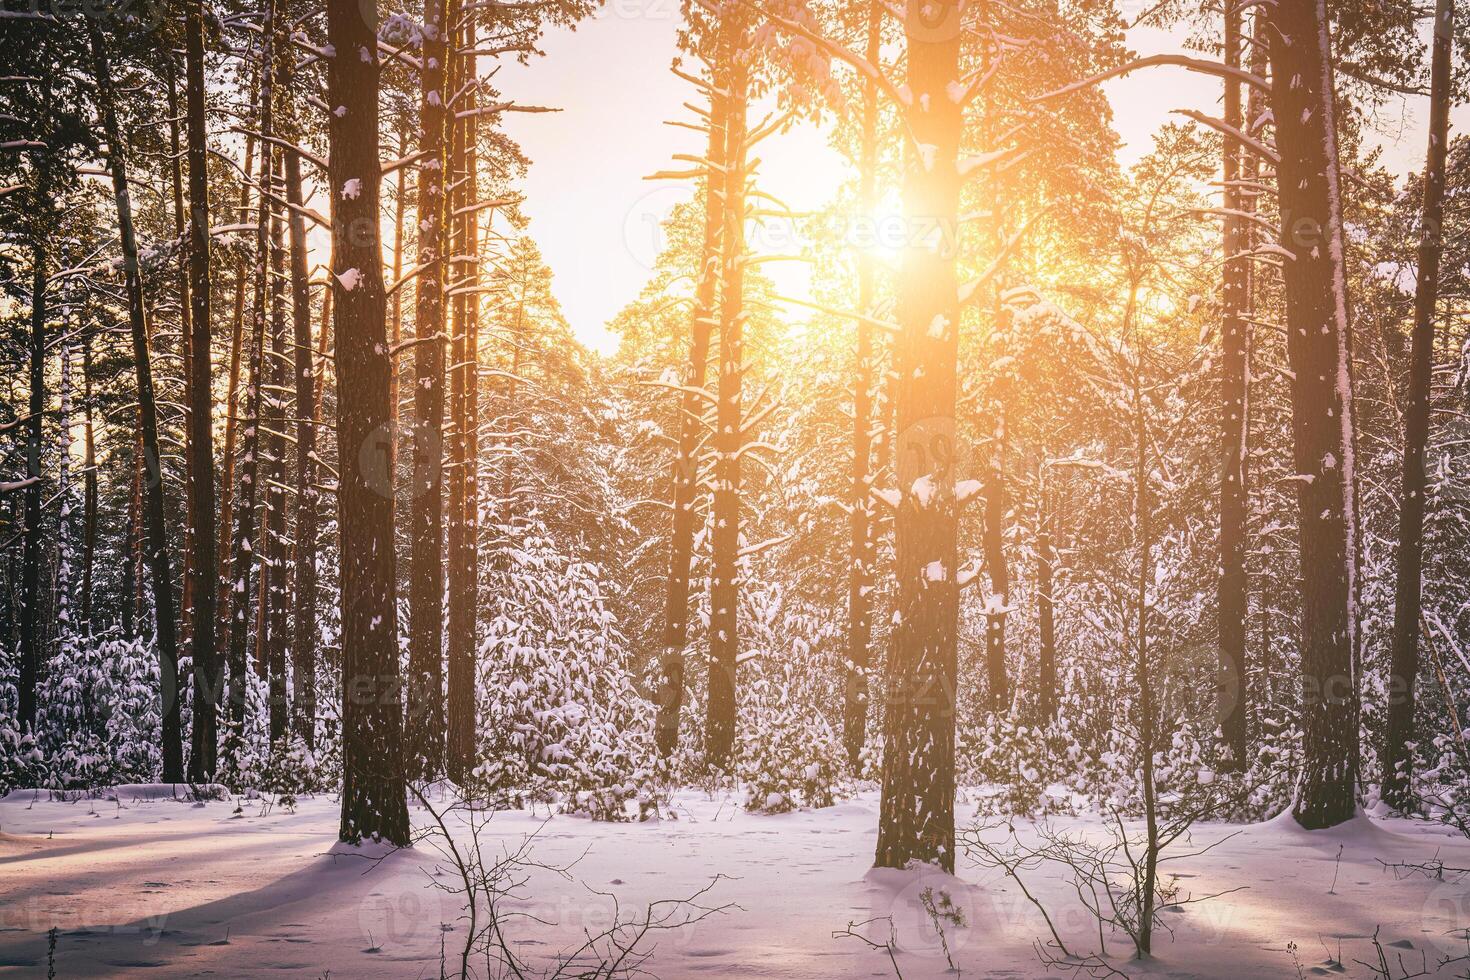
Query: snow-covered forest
[[1066, 573]]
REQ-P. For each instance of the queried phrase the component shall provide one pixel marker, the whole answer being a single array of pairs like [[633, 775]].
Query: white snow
[[185, 889]]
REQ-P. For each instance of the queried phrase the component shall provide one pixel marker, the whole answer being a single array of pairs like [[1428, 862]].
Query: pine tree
[[374, 803], [1319, 348], [204, 653], [166, 636], [426, 508], [1408, 608]]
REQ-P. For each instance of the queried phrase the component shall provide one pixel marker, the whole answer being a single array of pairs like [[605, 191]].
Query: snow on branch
[[862, 65], [755, 549], [969, 573], [889, 497], [966, 491], [402, 162], [1201, 65], [1220, 126], [301, 151], [683, 389], [496, 108], [884, 325]]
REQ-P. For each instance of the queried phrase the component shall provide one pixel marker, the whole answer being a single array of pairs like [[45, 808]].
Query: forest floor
[[175, 888]]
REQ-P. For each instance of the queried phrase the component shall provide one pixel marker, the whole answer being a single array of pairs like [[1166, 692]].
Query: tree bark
[[1319, 352], [30, 567], [153, 510], [999, 572], [916, 819], [232, 401], [862, 541], [272, 626], [203, 566], [1046, 563], [724, 642], [1398, 760], [426, 719], [304, 636], [1143, 670], [250, 469], [685, 475], [464, 495], [186, 351], [89, 492], [374, 805], [1230, 692], [395, 307]]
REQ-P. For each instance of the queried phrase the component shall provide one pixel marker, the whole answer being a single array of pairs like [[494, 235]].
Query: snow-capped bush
[[99, 715], [1018, 765], [787, 754], [560, 719]]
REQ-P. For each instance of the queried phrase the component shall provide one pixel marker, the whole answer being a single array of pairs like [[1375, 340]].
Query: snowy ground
[[182, 889]]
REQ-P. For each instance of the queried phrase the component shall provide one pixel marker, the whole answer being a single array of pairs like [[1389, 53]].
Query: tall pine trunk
[[1046, 568], [862, 540], [304, 543], [186, 351], [1319, 352], [724, 596], [30, 563], [250, 468], [374, 804], [993, 543], [232, 397], [691, 431], [426, 719], [203, 567], [165, 624], [464, 494], [1408, 606], [272, 626], [1231, 696], [90, 490], [916, 819]]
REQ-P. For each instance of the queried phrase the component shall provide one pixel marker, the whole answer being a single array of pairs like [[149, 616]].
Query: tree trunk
[[272, 626], [464, 496], [1319, 349], [133, 605], [395, 307], [691, 431], [426, 519], [232, 401], [724, 598], [203, 566], [1230, 694], [373, 794], [90, 492], [30, 568], [250, 469], [1398, 760], [304, 544], [1143, 671], [996, 568], [153, 510], [862, 540], [1046, 563], [186, 351], [916, 820]]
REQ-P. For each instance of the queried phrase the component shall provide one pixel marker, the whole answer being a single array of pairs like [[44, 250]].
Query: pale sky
[[596, 218]]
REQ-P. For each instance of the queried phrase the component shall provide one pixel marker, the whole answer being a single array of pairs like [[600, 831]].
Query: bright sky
[[596, 218]]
